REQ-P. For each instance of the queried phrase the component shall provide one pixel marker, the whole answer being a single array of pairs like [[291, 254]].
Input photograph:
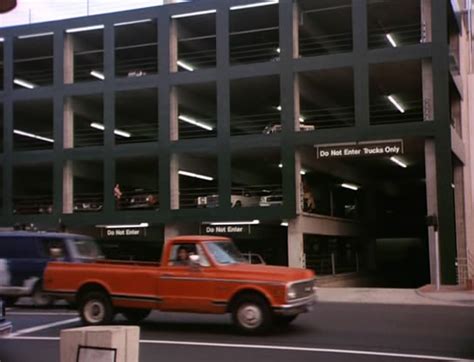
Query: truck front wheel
[[96, 309], [251, 314]]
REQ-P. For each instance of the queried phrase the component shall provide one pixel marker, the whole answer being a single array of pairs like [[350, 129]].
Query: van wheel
[[40, 299], [95, 308], [136, 315], [251, 314]]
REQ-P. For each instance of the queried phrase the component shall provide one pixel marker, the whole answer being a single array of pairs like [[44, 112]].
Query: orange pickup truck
[[197, 274]]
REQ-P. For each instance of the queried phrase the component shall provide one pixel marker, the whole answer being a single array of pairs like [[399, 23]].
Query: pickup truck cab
[[197, 274]]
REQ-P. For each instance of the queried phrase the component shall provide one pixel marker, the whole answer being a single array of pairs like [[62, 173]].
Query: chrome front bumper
[[5, 328], [298, 306]]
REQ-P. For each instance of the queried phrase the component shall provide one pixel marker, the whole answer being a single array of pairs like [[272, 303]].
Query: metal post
[[333, 264], [437, 261]]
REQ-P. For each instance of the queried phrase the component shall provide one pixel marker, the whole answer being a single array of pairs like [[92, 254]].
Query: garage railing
[[326, 44], [88, 202], [385, 112], [32, 204]]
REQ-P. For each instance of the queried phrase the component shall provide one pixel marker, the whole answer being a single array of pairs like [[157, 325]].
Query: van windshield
[[87, 249]]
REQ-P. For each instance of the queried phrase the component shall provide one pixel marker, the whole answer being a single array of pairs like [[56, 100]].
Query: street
[[332, 332]]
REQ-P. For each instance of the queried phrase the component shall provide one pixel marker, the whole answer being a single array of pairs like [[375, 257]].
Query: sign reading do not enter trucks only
[[365, 149]]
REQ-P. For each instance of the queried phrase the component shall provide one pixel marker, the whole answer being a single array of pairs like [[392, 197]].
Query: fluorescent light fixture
[[196, 13], [35, 35], [396, 104], [391, 40], [398, 161], [31, 135], [133, 22], [2, 40], [195, 123], [284, 223], [185, 65], [254, 5], [85, 28], [24, 83], [118, 132], [302, 120], [130, 226], [280, 165], [278, 108], [350, 186], [278, 50], [195, 175], [303, 172], [253, 222], [97, 74]]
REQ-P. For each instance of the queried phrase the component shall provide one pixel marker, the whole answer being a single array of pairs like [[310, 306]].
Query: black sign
[[224, 229], [123, 232], [366, 149]]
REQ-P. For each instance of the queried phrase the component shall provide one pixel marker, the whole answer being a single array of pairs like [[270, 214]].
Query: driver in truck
[[182, 256]]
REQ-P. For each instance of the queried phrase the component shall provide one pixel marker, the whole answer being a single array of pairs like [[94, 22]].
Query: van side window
[[18, 247]]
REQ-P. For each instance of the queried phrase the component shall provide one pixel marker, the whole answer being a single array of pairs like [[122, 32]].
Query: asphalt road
[[332, 332]]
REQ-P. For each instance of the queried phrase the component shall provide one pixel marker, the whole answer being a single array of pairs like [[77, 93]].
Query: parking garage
[[186, 120]]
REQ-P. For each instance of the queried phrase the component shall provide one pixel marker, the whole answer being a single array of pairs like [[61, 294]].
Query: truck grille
[[303, 289]]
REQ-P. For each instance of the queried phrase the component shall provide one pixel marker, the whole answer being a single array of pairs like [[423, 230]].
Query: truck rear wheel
[[251, 314], [95, 308], [136, 315]]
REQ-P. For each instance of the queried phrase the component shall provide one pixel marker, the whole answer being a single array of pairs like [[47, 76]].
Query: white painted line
[[43, 313], [42, 327], [31, 338], [306, 349], [270, 347]]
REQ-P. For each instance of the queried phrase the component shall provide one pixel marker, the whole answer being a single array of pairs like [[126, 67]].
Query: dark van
[[24, 255]]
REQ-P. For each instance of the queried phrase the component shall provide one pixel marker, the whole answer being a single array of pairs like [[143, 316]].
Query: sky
[[34, 11]]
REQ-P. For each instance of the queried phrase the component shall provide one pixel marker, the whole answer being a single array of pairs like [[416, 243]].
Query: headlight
[[290, 293]]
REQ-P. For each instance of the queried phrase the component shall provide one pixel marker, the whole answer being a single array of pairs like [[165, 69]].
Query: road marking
[[42, 313], [43, 327], [306, 349], [270, 347]]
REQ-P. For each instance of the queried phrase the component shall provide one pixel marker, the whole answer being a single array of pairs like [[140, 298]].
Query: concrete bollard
[[124, 339]]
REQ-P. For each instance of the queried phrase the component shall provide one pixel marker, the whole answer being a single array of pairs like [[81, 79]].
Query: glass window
[[224, 252]]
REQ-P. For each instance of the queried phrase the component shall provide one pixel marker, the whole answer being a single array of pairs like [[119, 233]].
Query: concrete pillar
[[426, 64], [174, 109], [173, 46], [428, 115], [296, 257], [174, 182], [459, 202], [123, 339], [68, 187], [68, 59], [298, 184], [431, 200], [426, 21], [296, 30]]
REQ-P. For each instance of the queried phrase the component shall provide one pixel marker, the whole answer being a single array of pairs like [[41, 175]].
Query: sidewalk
[[423, 296]]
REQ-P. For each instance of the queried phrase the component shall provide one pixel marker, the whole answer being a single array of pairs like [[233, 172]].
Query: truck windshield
[[87, 249], [224, 252]]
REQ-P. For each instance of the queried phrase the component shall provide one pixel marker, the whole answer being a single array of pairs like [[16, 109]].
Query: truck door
[[185, 288]]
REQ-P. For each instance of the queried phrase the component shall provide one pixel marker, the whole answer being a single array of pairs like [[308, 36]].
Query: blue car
[[24, 255]]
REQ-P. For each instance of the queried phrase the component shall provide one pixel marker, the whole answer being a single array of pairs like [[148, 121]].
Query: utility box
[[100, 344]]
